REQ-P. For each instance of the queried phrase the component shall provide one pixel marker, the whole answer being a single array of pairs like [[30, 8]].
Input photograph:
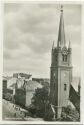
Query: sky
[[29, 31]]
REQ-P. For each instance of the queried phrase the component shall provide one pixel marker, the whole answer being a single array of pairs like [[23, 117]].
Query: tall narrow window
[[65, 87], [64, 57]]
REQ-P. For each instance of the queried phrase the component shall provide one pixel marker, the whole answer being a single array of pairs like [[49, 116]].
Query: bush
[[39, 101], [70, 114], [8, 97]]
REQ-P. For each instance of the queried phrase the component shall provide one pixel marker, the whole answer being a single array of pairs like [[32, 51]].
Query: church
[[60, 70]]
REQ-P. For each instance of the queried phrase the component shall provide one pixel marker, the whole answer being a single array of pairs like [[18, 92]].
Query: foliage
[[8, 96], [70, 114], [39, 100]]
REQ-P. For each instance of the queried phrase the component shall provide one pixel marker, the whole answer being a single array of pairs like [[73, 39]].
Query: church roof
[[75, 83]]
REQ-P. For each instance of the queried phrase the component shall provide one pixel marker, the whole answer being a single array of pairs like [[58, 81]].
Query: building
[[31, 86], [9, 82], [22, 75], [7, 92], [76, 83], [42, 81], [61, 71], [4, 87], [20, 95], [24, 94]]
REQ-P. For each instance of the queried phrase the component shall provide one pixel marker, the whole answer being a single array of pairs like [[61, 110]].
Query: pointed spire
[[53, 45], [69, 47], [61, 8], [79, 82], [61, 35], [69, 44], [79, 87]]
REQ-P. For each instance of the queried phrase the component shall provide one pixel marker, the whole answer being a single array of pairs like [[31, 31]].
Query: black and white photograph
[[41, 62]]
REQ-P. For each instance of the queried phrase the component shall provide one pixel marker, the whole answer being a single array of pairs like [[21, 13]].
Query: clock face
[[64, 51]]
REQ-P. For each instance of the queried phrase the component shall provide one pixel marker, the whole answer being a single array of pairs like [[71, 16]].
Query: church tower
[[61, 71]]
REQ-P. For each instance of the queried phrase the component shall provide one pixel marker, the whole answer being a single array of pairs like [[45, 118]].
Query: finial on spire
[[79, 86], [53, 45], [79, 81], [61, 8], [69, 44]]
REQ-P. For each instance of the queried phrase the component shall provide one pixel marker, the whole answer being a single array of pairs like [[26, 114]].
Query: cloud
[[11, 7], [29, 30]]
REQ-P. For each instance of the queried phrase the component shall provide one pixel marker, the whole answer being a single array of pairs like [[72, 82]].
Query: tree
[[41, 96], [8, 96]]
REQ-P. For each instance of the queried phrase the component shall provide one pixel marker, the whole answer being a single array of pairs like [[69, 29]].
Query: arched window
[[64, 58]]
